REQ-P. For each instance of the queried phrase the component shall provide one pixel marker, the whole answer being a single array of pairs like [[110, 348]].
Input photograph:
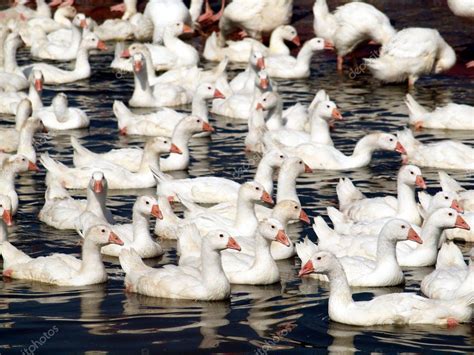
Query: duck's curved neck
[[211, 265], [407, 208], [82, 61], [43, 9], [35, 97], [281, 216], [61, 19], [277, 44], [130, 9], [304, 57], [430, 234], [25, 143], [91, 258], [340, 292], [11, 65], [246, 220], [96, 203], [195, 9], [364, 149], [386, 251], [141, 226], [287, 183], [166, 210], [60, 110], [199, 108], [275, 115], [264, 175], [320, 130], [150, 158], [142, 86], [263, 255]]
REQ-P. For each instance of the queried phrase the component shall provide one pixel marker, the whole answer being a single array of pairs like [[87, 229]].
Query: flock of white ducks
[[238, 239]]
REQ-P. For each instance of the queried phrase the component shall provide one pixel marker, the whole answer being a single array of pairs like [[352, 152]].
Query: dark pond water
[[289, 316]]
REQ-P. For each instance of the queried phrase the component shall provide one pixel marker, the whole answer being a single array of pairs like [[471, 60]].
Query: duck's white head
[[148, 206], [447, 59], [444, 199], [37, 79], [388, 141], [209, 91], [177, 29], [262, 80], [318, 44], [295, 164], [267, 101], [221, 240], [102, 235], [289, 33], [80, 20], [321, 262], [447, 218], [257, 59], [327, 110], [20, 163], [272, 230], [162, 145], [91, 41], [195, 124], [290, 210], [274, 158], [254, 191], [412, 176], [397, 230], [98, 183]]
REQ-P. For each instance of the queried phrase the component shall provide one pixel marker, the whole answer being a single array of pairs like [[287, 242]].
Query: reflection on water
[[292, 314]]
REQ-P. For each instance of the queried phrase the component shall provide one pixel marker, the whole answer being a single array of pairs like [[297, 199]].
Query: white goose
[[408, 253], [350, 25], [394, 308], [464, 196], [445, 154], [254, 17], [44, 49], [25, 140], [288, 67], [62, 269], [463, 8], [240, 51], [363, 272], [451, 116], [9, 137], [360, 208], [130, 158], [452, 278], [117, 177], [411, 53], [11, 167], [11, 77], [206, 283], [164, 121], [59, 116], [61, 211], [319, 156], [61, 19], [157, 96], [244, 82], [136, 235], [82, 70]]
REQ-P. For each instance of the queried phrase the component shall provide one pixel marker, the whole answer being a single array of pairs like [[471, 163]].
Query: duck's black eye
[[209, 88], [300, 162], [318, 258], [273, 227], [198, 121], [391, 139], [257, 188], [147, 202], [221, 235], [282, 157], [450, 214], [328, 106], [264, 100], [403, 227], [103, 230], [446, 197], [165, 142]]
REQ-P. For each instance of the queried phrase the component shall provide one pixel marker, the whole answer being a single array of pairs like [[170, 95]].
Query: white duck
[[445, 154], [206, 283], [357, 207], [61, 211], [451, 116], [164, 121], [45, 49], [240, 51], [61, 19], [25, 141], [411, 53], [343, 225], [363, 272], [464, 196], [130, 158], [59, 116], [463, 8], [117, 177], [452, 278], [11, 77], [10, 169], [164, 13], [288, 67], [261, 268], [350, 25], [394, 308], [82, 70], [168, 227], [136, 235], [319, 133], [158, 95], [9, 137], [62, 269], [319, 156], [408, 254], [244, 82], [254, 17], [9, 101]]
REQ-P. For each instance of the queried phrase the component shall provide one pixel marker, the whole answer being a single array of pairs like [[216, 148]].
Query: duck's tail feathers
[[190, 205], [320, 7], [53, 166], [122, 112], [467, 300], [78, 148], [425, 200], [319, 97], [12, 255], [336, 216], [131, 262], [305, 249], [448, 183], [189, 241], [449, 255], [323, 231], [347, 192], [119, 48], [211, 48], [385, 68], [160, 176], [221, 67], [56, 190], [415, 110]]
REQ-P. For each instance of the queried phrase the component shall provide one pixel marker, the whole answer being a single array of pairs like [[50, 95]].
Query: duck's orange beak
[[266, 198], [7, 217], [420, 182], [461, 223], [32, 166], [304, 217], [400, 149], [232, 244], [296, 40], [174, 149], [282, 238], [455, 206], [412, 235], [218, 94], [101, 46], [328, 45], [336, 114], [98, 186], [125, 53], [155, 212], [261, 63], [187, 29], [38, 85], [206, 127], [115, 239], [307, 169], [306, 269]]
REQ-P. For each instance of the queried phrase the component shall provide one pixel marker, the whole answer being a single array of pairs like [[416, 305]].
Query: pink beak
[[125, 53], [7, 217], [455, 206], [420, 182], [296, 40], [399, 148], [232, 244], [218, 95], [98, 186], [307, 269], [155, 212], [412, 235], [266, 198], [115, 239], [461, 223]]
